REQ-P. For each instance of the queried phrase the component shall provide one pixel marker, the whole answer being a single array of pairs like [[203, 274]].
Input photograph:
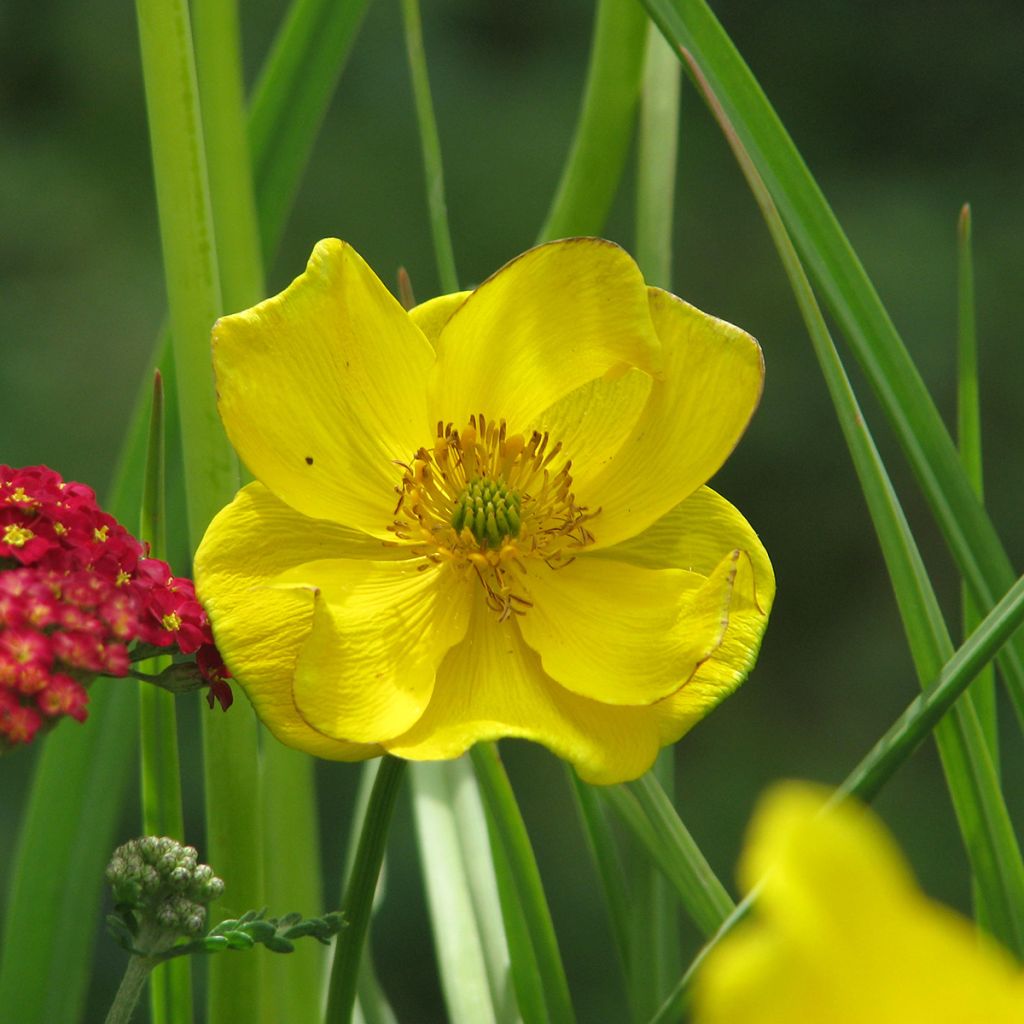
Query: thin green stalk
[[650, 817], [604, 130], [457, 940], [656, 164], [923, 713], [359, 891], [226, 143], [902, 738], [128, 992], [524, 967], [300, 75], [170, 990], [194, 299], [974, 788], [690, 26], [600, 840], [430, 144], [983, 692], [503, 812]]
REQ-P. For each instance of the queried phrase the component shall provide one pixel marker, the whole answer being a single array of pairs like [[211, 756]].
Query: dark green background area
[[903, 110]]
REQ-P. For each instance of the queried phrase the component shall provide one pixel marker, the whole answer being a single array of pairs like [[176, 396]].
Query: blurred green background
[[903, 111]]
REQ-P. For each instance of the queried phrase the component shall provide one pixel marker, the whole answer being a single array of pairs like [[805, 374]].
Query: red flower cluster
[[78, 590]]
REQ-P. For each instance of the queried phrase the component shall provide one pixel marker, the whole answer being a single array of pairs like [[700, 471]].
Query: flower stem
[[359, 891], [130, 989], [510, 829], [431, 146]]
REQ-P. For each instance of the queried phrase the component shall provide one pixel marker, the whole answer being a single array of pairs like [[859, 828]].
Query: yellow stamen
[[100, 533], [17, 536], [484, 501], [20, 495], [171, 621]]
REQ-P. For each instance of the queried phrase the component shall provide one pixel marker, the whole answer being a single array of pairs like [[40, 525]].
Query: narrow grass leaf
[[170, 984], [457, 942], [234, 843], [604, 130], [290, 98], [510, 830], [983, 692], [430, 145]]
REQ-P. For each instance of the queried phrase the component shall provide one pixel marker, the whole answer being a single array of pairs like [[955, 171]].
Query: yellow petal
[[552, 319], [432, 315], [694, 416], [695, 536], [380, 629], [621, 634], [594, 420], [842, 934], [260, 629], [321, 389], [492, 685]]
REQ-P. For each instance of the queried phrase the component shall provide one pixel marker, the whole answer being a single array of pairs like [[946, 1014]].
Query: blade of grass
[[503, 813], [599, 148], [67, 837], [300, 74], [430, 144], [600, 840], [170, 984], [233, 805], [978, 801], [856, 307], [457, 942], [902, 738], [650, 817], [360, 889], [475, 845], [983, 692]]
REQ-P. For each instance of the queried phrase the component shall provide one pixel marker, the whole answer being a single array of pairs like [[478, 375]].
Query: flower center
[[489, 510], [484, 501]]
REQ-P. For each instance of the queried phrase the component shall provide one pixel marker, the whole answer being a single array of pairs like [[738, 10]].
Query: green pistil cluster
[[489, 510]]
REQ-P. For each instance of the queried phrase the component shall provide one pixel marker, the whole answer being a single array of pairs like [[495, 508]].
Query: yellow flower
[[843, 935], [485, 517]]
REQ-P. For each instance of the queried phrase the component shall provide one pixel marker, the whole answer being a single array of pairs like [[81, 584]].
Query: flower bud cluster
[[76, 590], [164, 887]]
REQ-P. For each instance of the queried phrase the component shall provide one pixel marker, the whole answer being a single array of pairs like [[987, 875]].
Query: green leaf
[[597, 157], [653, 821], [430, 145], [457, 940], [509, 831]]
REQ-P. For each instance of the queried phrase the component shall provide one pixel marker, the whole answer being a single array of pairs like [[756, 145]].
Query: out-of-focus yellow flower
[[842, 934], [485, 517]]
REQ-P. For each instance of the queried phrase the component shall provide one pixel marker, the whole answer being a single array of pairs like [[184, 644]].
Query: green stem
[[597, 157], [431, 146], [656, 164], [129, 990], [226, 143], [359, 891], [983, 692], [501, 805], [194, 299]]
